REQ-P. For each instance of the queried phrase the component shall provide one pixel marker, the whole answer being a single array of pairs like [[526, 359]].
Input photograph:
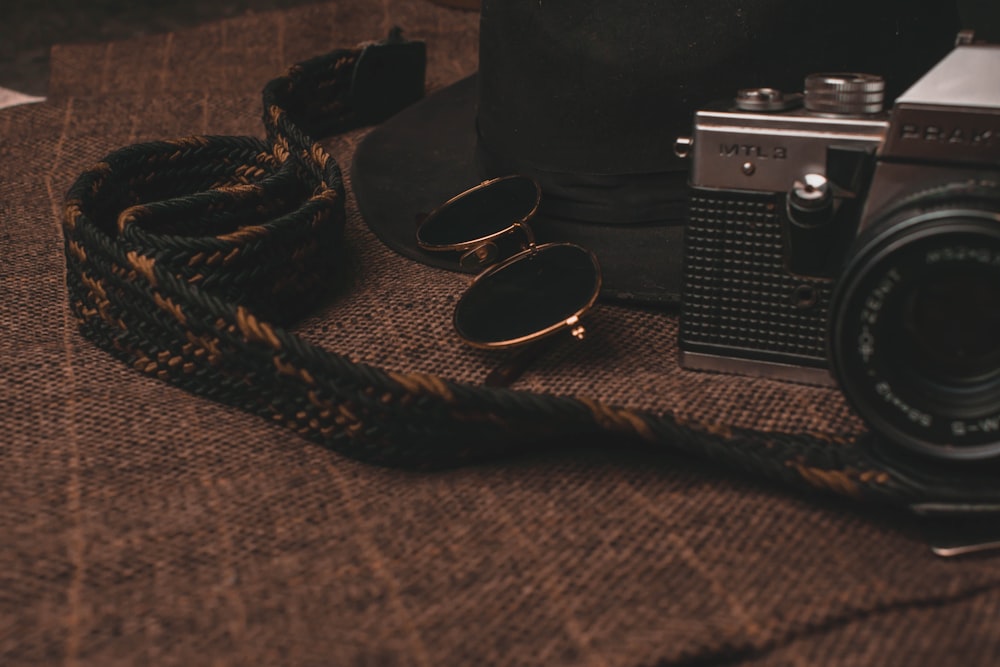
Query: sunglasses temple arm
[[530, 235], [514, 366]]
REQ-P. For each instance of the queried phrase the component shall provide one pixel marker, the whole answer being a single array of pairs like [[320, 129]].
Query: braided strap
[[184, 258]]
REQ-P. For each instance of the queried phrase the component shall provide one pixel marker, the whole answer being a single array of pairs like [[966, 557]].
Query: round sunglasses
[[538, 291]]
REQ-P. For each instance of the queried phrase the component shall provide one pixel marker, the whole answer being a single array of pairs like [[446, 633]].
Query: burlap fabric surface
[[142, 525]]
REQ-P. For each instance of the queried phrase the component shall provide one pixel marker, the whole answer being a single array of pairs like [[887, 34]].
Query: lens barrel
[[914, 335]]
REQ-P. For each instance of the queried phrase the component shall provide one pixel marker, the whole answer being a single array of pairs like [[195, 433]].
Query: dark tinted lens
[[953, 321], [480, 212], [528, 295]]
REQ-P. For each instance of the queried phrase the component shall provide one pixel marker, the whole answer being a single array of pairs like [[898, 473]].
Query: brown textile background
[[142, 525]]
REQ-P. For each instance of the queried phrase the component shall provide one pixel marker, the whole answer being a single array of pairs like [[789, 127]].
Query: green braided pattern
[[183, 258]]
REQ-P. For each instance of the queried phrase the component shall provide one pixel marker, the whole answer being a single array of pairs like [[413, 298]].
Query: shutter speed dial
[[848, 93]]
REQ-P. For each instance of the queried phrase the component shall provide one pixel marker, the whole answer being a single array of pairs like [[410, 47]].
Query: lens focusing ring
[[848, 93], [912, 407]]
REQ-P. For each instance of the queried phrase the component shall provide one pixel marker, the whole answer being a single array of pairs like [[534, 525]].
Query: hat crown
[[589, 86]]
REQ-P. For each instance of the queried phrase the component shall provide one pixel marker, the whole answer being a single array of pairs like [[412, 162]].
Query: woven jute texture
[[142, 525]]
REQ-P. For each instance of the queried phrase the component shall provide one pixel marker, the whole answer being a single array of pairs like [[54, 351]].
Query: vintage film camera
[[829, 241]]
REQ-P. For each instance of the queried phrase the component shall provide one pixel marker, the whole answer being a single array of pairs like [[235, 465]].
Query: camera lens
[[915, 324], [951, 323]]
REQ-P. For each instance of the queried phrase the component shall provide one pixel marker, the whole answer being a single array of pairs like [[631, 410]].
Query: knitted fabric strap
[[186, 258]]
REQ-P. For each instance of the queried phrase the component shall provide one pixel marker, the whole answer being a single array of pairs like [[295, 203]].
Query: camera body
[[832, 242]]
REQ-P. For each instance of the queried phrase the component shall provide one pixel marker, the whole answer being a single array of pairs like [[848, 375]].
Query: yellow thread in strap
[[169, 306], [715, 428], [424, 383], [71, 214], [102, 169], [144, 364], [839, 481], [230, 256], [286, 368], [240, 189], [144, 265], [94, 286], [211, 345], [77, 250], [877, 476], [618, 419], [131, 215], [320, 403], [193, 141], [281, 150], [254, 330], [347, 415], [244, 234], [319, 155], [249, 171], [327, 195]]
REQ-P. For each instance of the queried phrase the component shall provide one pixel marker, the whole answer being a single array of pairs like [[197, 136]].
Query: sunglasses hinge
[[529, 235]]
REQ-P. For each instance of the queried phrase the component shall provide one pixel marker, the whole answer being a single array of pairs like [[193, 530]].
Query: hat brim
[[418, 159]]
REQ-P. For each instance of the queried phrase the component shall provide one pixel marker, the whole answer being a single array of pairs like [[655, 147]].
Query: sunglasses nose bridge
[[487, 252], [481, 256]]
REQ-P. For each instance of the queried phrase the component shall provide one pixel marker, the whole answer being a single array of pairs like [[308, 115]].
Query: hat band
[[619, 199]]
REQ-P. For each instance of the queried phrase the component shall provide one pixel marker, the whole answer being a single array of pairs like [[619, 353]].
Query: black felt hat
[[588, 97]]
